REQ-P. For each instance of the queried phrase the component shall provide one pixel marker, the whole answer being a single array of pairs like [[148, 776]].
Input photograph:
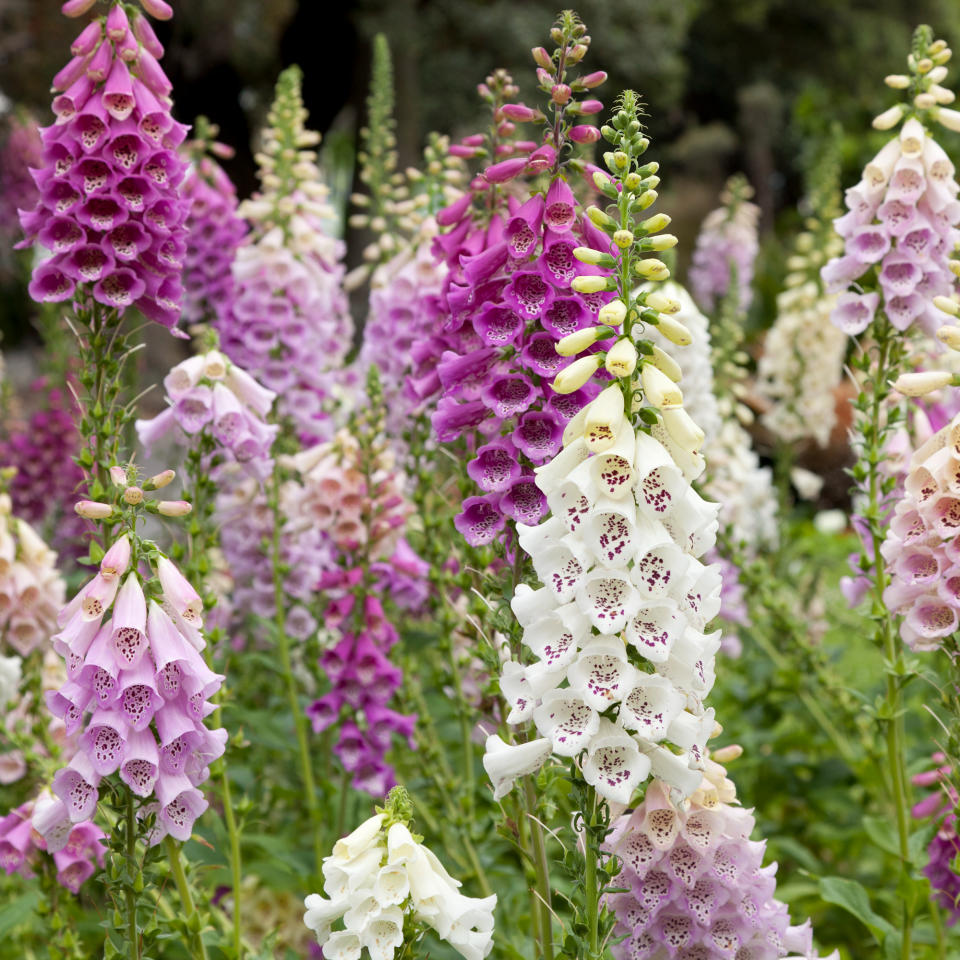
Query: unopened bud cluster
[[926, 97], [129, 495]]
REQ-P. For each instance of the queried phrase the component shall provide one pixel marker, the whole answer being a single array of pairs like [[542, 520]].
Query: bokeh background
[[753, 85]]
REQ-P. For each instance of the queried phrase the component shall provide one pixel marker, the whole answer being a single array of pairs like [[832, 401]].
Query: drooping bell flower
[[110, 210]]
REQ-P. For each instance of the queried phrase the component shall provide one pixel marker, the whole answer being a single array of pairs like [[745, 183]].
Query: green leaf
[[17, 912], [882, 834], [854, 899]]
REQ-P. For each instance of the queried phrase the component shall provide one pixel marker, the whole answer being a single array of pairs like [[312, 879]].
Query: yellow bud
[[660, 391], [652, 269], [682, 429], [949, 335], [578, 341], [663, 241], [613, 313], [655, 223], [899, 81], [943, 56], [577, 374], [925, 65], [674, 331], [622, 358], [589, 284], [947, 305], [133, 495], [594, 257], [623, 239], [604, 415], [662, 303], [646, 199], [889, 118], [920, 384], [663, 361]]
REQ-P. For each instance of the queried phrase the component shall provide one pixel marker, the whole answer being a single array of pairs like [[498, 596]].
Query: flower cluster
[[921, 545], [508, 297], [214, 231], [42, 448], [20, 151], [75, 848], [696, 885], [353, 493], [208, 392], [382, 882], [802, 360], [623, 662], [726, 249], [31, 588], [141, 676], [939, 806], [109, 209], [289, 324], [900, 228]]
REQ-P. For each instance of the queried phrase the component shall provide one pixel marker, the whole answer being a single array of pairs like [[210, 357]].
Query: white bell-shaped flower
[[660, 482], [610, 531], [677, 770], [384, 933], [529, 605], [391, 886], [700, 600], [321, 914], [614, 765], [608, 598], [613, 472], [661, 571], [504, 762], [567, 721], [571, 501], [555, 638], [554, 472], [601, 675], [688, 730], [562, 568], [343, 945], [691, 662], [651, 707], [654, 629], [344, 877]]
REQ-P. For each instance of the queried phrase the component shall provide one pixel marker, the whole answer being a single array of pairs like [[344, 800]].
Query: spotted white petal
[[612, 472], [660, 571], [693, 522], [688, 730], [608, 598], [602, 674], [701, 599], [529, 605], [384, 933], [566, 721], [691, 662], [572, 500], [504, 762], [551, 474], [651, 707], [654, 629], [660, 482], [562, 567], [676, 770], [614, 765], [556, 637]]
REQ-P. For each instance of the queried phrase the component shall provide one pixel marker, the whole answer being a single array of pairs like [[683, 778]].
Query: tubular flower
[[802, 361], [209, 394], [76, 848], [137, 691], [510, 294], [31, 588], [944, 847], [110, 210], [695, 882], [42, 448], [352, 491], [381, 876], [900, 227], [290, 326], [921, 545], [20, 150], [726, 249], [214, 231], [621, 659]]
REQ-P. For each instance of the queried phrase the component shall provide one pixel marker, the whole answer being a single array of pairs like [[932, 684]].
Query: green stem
[[183, 888], [131, 897], [283, 645], [235, 862], [542, 868], [888, 638], [591, 892]]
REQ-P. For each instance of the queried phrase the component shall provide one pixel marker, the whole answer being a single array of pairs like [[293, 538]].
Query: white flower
[[10, 674], [322, 913], [384, 934], [504, 762], [651, 707], [391, 886], [343, 945], [567, 721], [614, 764], [607, 598], [602, 674]]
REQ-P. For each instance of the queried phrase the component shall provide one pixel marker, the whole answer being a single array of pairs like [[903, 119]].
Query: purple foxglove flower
[[495, 468], [480, 521], [854, 312]]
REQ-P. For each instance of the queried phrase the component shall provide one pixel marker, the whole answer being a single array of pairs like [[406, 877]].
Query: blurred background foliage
[[750, 85]]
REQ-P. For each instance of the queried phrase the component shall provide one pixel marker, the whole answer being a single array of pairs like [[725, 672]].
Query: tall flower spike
[[902, 216], [694, 882], [726, 249], [617, 629], [289, 325], [510, 295], [802, 361], [214, 230], [110, 210], [382, 881]]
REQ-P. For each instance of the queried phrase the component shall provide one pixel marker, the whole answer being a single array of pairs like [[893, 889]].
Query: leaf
[[881, 833], [854, 899], [17, 911]]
